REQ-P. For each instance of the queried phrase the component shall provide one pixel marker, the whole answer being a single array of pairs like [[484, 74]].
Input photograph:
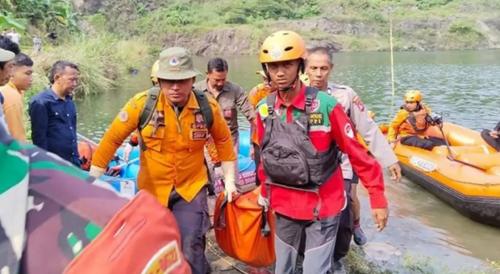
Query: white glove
[[96, 171], [229, 169], [263, 202], [126, 151]]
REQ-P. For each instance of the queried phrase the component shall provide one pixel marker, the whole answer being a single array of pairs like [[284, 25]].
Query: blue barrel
[[131, 171], [133, 154], [245, 164], [244, 145]]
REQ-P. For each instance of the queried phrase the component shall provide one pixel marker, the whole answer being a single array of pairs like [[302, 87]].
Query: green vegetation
[[103, 60], [44, 15], [110, 42]]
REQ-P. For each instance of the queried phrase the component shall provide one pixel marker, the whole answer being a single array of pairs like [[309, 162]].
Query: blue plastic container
[[244, 145]]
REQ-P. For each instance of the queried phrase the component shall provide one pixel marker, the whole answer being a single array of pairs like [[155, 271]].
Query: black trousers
[[494, 142], [346, 226], [426, 143]]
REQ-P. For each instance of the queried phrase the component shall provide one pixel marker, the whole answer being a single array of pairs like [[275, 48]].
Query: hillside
[[237, 27]]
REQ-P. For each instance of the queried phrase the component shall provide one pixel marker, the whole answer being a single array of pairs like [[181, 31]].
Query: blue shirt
[[53, 124]]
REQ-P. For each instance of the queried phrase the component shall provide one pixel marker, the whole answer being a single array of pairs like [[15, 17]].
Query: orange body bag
[[244, 230], [142, 238]]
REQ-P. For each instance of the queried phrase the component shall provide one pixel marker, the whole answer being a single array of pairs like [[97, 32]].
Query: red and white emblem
[[348, 131]]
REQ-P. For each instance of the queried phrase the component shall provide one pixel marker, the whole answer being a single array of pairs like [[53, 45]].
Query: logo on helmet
[[276, 53], [174, 61]]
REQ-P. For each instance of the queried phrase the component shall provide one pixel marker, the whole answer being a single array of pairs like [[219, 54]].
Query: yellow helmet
[[280, 46], [154, 71], [413, 96]]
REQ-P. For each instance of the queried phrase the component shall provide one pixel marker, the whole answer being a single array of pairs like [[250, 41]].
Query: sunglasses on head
[[410, 102]]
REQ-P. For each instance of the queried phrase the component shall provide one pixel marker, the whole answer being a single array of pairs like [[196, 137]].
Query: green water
[[464, 86]]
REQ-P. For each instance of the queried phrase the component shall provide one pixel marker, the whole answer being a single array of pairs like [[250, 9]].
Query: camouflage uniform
[[46, 216]]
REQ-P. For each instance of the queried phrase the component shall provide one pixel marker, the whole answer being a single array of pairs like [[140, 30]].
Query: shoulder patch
[[123, 116], [348, 131], [263, 110], [315, 105]]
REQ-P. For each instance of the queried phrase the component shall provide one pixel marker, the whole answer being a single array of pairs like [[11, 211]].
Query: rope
[[392, 64]]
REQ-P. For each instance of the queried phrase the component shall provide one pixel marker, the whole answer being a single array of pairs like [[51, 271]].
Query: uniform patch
[[316, 119], [123, 116], [199, 121], [199, 134], [315, 105], [348, 131], [263, 111], [358, 103]]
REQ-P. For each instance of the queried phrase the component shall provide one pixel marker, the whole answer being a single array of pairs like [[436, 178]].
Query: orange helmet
[[413, 96], [280, 46]]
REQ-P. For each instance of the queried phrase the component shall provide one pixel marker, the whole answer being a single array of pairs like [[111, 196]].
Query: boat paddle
[[439, 122]]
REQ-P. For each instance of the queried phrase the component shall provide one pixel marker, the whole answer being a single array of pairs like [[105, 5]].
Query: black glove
[[438, 120]]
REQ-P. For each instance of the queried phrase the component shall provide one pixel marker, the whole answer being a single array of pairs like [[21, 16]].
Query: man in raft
[[492, 137], [410, 124]]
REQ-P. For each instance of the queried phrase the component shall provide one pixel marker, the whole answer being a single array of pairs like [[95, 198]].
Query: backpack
[[288, 156], [153, 94]]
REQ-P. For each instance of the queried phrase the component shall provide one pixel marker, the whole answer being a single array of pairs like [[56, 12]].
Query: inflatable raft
[[124, 174], [466, 176]]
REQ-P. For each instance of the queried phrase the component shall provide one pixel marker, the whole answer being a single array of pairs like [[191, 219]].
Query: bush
[[102, 60], [462, 28], [427, 4]]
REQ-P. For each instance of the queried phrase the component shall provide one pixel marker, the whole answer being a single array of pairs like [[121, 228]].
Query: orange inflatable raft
[[468, 179]]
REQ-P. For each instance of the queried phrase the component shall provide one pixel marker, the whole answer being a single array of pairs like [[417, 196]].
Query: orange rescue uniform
[[174, 145], [258, 93], [402, 127]]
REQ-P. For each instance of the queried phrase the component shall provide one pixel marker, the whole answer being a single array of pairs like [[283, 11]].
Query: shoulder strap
[[149, 107], [271, 101], [205, 108], [311, 94]]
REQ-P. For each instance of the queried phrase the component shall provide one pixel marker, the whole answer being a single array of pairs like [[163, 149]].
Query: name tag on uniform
[[199, 134], [316, 119]]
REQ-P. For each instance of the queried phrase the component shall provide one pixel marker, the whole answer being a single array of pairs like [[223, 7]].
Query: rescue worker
[[261, 90], [230, 96], [255, 95], [172, 161], [319, 65], [410, 124], [492, 137], [301, 131]]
